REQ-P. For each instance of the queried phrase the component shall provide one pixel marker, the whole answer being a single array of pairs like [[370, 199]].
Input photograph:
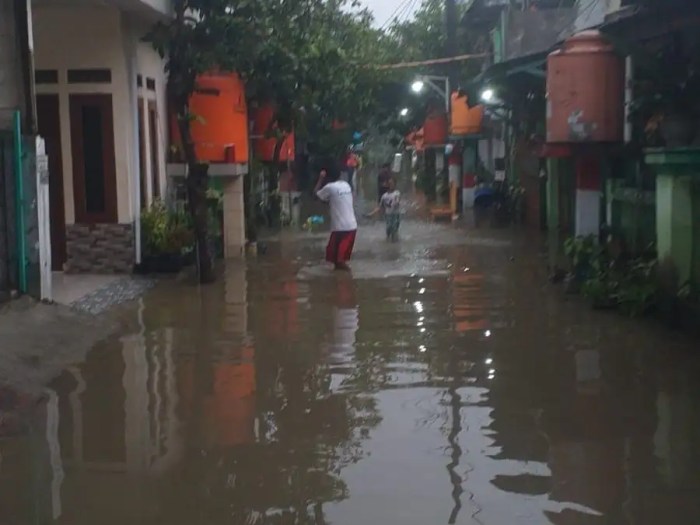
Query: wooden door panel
[[94, 171]]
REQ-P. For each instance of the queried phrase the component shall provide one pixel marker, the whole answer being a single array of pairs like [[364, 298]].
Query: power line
[[446, 60], [406, 11], [389, 20]]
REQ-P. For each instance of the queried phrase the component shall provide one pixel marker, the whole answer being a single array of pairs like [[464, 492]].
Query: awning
[[498, 74], [528, 64]]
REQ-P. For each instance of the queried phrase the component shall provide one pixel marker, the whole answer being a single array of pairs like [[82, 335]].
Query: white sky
[[384, 9]]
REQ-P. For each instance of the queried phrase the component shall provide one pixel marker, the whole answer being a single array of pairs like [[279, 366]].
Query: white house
[[101, 107]]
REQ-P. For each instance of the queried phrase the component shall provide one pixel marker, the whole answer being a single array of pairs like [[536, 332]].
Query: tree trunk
[[274, 213], [278, 151], [197, 182], [249, 204]]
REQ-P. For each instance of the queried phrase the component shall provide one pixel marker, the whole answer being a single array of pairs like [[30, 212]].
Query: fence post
[[20, 204]]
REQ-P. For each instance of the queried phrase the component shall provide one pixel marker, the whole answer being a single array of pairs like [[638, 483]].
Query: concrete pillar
[[469, 178], [674, 222], [454, 176], [234, 218], [610, 186], [553, 225], [440, 178], [588, 196], [675, 168], [552, 195]]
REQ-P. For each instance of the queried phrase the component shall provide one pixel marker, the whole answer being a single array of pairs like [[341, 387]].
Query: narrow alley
[[444, 381]]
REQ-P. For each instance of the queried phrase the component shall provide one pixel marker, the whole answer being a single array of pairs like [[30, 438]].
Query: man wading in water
[[338, 195]]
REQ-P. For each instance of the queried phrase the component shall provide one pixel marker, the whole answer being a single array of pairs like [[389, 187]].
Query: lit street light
[[487, 95], [433, 82], [418, 86], [404, 112]]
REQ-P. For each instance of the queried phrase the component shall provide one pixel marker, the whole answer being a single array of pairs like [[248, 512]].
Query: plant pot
[[677, 130], [163, 263]]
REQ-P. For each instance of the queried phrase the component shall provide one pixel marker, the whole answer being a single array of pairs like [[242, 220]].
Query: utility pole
[[451, 44]]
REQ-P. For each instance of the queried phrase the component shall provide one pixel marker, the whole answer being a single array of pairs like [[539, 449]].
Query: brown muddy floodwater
[[443, 382]]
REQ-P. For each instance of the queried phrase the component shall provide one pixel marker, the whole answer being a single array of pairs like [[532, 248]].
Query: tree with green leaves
[[313, 59]]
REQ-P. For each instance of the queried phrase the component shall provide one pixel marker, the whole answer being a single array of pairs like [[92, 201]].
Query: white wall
[[103, 37], [150, 66], [80, 38]]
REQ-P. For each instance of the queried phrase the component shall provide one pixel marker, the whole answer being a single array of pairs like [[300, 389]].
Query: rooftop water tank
[[585, 91]]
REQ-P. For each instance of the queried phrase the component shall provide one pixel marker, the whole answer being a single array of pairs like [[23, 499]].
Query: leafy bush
[[165, 232], [582, 253], [638, 289], [631, 285]]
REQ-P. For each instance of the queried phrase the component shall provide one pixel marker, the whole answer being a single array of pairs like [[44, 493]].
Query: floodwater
[[444, 381]]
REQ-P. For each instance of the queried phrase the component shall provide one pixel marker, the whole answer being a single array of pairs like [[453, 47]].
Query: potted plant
[[167, 237]]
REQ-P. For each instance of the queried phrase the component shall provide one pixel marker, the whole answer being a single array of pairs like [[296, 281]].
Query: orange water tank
[[435, 129], [465, 120], [265, 147], [585, 91], [220, 131]]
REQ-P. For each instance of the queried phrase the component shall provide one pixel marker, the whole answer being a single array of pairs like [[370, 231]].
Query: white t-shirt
[[391, 202], [339, 196]]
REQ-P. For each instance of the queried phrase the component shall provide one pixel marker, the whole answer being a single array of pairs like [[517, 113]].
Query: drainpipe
[[131, 71], [19, 205]]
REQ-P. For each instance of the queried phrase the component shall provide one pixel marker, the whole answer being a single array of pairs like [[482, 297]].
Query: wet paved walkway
[[442, 382]]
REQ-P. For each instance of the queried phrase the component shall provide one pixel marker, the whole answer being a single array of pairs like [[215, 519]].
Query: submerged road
[[443, 381]]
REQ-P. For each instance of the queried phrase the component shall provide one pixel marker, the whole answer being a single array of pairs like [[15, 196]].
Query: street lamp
[[418, 86], [487, 95], [404, 112], [434, 83]]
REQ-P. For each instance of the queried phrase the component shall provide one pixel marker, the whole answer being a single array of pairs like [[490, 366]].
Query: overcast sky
[[384, 9]]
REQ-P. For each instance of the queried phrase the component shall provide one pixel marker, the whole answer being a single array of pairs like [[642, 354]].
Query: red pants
[[340, 245]]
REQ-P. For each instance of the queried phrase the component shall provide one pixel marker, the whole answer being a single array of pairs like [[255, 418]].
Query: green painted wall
[[678, 208]]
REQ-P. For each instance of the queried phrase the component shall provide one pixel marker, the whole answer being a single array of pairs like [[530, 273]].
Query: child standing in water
[[390, 205]]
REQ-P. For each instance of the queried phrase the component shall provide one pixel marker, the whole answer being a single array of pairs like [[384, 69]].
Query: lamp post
[[441, 85]]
